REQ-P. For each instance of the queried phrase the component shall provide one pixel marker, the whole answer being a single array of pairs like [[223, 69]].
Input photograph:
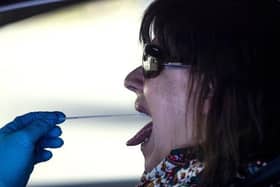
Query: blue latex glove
[[22, 145]]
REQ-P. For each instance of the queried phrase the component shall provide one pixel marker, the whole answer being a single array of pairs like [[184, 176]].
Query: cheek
[[166, 99], [167, 105], [156, 98]]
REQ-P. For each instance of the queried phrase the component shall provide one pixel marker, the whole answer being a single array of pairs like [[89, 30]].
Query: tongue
[[140, 137]]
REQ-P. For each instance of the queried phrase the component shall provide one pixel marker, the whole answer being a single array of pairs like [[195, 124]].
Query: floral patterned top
[[182, 168]]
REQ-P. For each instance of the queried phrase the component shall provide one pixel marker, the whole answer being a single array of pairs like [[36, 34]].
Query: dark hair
[[232, 46]]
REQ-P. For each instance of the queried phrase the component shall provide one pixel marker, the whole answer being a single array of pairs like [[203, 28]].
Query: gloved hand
[[22, 145]]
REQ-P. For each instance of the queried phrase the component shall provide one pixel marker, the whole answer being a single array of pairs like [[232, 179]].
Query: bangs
[[190, 30], [181, 28], [225, 42], [164, 25]]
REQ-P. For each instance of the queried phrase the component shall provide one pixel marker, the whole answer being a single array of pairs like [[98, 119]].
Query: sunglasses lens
[[149, 75], [150, 67], [150, 61]]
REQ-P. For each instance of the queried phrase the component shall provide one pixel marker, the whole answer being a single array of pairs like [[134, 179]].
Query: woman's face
[[164, 99]]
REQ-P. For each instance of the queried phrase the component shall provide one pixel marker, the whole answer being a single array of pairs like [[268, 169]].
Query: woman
[[208, 81]]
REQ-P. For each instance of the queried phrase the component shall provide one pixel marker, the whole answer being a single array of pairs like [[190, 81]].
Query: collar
[[180, 167]]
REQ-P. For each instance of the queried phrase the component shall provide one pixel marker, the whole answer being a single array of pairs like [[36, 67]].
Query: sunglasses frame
[[153, 62]]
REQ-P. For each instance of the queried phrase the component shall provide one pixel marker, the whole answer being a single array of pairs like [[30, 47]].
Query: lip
[[141, 109]]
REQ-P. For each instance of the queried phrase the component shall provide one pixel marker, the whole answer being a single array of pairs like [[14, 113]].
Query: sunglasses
[[153, 61]]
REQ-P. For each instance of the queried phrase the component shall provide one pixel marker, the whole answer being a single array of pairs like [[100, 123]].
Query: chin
[[147, 150], [148, 166], [152, 159]]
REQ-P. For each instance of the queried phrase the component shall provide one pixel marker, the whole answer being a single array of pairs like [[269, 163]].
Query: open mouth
[[141, 136]]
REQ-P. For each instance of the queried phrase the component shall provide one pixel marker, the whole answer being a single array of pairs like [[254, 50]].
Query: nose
[[134, 81]]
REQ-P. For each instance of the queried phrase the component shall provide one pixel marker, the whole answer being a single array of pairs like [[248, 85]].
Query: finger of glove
[[42, 156], [36, 130], [24, 120], [51, 143], [54, 132]]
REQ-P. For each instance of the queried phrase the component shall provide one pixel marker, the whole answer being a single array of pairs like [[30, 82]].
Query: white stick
[[102, 116]]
